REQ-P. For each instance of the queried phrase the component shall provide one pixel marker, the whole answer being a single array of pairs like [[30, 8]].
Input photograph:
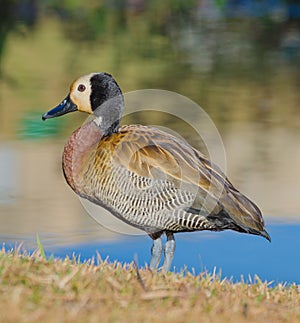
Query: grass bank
[[34, 289]]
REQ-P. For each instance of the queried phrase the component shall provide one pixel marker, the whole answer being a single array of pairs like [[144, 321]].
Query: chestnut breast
[[77, 151]]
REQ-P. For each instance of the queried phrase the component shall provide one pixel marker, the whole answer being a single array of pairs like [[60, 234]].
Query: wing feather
[[151, 153]]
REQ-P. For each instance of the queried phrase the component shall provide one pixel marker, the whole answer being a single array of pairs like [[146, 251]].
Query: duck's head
[[97, 94]]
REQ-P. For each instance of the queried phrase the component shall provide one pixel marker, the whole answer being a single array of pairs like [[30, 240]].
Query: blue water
[[231, 254]]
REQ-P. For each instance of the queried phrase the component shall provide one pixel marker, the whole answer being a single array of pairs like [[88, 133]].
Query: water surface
[[232, 255]]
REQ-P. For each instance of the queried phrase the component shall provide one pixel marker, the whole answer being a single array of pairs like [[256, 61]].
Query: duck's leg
[[169, 251], [156, 252]]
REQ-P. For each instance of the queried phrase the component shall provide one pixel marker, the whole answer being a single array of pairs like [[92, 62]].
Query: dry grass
[[34, 289]]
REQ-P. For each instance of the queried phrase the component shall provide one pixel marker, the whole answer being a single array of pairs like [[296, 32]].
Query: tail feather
[[266, 235], [243, 212]]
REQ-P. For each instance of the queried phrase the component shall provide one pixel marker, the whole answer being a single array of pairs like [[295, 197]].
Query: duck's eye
[[81, 88]]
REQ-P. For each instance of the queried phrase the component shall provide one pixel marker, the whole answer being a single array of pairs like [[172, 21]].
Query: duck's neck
[[107, 129], [76, 150], [108, 115]]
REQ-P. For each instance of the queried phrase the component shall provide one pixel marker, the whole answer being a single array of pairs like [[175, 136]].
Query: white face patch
[[80, 93]]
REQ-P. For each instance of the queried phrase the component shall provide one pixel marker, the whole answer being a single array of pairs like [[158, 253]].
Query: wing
[[160, 157]]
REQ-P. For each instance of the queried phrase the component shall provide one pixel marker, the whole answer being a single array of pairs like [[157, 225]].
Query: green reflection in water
[[31, 127]]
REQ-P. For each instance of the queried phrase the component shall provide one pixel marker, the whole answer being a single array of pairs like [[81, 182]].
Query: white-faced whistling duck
[[146, 177]]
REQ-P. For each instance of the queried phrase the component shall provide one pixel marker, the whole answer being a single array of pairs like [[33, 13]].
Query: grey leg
[[156, 252], [169, 251]]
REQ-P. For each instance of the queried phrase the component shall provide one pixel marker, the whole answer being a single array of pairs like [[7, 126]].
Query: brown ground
[[33, 289]]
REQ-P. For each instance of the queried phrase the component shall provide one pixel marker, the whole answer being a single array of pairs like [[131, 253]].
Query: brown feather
[[151, 153], [89, 166]]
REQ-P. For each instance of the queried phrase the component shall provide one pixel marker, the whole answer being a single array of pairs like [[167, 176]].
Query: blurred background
[[238, 59]]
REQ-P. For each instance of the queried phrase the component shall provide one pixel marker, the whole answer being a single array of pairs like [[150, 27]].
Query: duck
[[148, 178]]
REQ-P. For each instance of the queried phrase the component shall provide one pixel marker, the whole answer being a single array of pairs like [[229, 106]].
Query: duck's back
[[157, 182]]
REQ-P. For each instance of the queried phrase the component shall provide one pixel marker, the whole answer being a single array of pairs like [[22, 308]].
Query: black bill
[[66, 106]]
